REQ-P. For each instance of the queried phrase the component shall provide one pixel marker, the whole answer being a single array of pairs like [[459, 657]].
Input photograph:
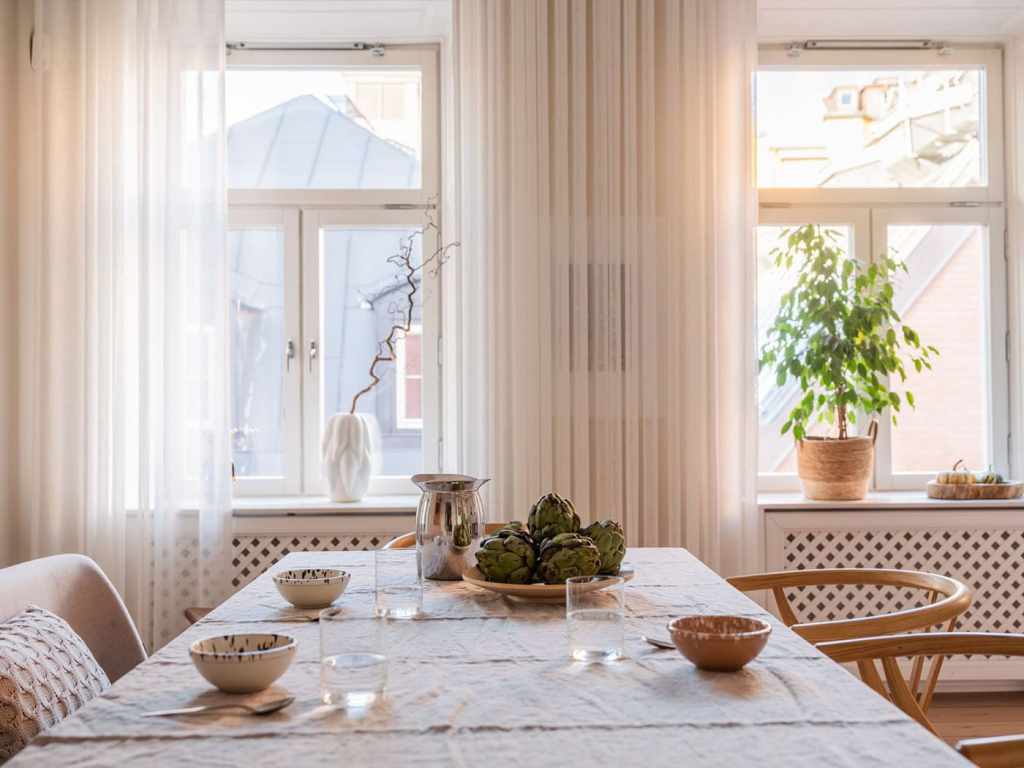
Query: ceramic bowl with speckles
[[719, 643], [311, 587], [243, 663]]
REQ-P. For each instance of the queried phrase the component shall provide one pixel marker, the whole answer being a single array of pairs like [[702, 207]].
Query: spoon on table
[[657, 642], [266, 708]]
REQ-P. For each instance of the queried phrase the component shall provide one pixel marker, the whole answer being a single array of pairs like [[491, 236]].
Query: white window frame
[[859, 222], [402, 376], [314, 221], [990, 59], [424, 58], [302, 213], [870, 211], [287, 222], [998, 375]]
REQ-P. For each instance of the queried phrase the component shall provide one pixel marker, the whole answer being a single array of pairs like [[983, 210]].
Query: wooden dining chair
[[946, 600], [887, 650], [994, 751], [408, 540]]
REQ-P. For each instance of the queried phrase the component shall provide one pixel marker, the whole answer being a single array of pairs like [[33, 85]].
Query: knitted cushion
[[46, 673]]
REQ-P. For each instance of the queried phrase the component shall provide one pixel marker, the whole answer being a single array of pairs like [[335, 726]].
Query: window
[[332, 167], [409, 379], [897, 152], [872, 128]]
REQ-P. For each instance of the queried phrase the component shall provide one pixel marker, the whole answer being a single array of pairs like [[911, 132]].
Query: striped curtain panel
[[606, 292]]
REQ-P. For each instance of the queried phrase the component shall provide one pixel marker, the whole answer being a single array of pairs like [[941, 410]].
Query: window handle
[[289, 355], [313, 351]]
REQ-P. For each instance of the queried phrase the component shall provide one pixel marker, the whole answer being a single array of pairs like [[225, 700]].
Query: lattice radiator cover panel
[[990, 561], [253, 554]]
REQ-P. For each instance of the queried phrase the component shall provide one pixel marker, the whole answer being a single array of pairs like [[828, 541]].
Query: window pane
[[413, 399], [943, 299], [257, 348], [413, 357], [869, 128], [323, 129], [409, 370], [362, 296], [775, 453]]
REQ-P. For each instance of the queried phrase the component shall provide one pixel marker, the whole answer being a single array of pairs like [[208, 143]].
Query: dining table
[[482, 680]]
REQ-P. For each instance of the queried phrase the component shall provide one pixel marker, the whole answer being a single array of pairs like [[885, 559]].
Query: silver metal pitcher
[[449, 524]]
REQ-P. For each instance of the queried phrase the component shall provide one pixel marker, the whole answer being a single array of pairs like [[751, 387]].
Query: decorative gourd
[[957, 476], [990, 478]]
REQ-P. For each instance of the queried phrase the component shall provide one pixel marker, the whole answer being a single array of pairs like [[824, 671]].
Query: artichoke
[[552, 515], [516, 528], [507, 556], [610, 541], [567, 555]]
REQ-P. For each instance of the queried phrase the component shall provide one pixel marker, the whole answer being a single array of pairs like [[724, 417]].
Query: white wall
[[8, 278], [948, 20], [331, 21]]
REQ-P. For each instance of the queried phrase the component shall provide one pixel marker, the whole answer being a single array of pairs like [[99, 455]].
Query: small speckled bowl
[[311, 587], [243, 663], [719, 643]]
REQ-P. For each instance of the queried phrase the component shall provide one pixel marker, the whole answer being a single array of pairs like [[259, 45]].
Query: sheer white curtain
[[123, 396], [606, 287], [1014, 146]]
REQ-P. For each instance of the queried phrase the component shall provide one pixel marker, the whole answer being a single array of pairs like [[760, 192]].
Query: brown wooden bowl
[[719, 643]]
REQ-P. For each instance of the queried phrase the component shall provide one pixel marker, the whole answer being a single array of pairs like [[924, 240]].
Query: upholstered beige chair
[[74, 588]]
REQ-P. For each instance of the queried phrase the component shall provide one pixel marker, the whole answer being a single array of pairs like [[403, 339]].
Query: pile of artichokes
[[551, 547]]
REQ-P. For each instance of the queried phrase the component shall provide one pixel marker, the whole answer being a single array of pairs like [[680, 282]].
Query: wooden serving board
[[981, 491]]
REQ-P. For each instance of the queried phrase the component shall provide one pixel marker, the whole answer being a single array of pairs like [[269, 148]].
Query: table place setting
[[548, 562], [640, 651]]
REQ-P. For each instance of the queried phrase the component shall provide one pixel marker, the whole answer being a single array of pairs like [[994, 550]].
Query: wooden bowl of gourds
[[960, 484]]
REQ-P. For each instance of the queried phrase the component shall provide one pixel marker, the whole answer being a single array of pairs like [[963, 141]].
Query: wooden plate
[[981, 491], [546, 593]]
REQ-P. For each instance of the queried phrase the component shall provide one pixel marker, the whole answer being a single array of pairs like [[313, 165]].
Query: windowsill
[[291, 506], [877, 501]]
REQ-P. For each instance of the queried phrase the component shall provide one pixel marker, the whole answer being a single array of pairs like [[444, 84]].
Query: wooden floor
[[964, 715]]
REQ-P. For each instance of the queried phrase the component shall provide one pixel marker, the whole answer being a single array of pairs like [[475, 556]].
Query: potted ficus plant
[[838, 335]]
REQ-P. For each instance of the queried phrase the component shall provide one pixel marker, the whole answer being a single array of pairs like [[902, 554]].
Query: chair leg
[[195, 614]]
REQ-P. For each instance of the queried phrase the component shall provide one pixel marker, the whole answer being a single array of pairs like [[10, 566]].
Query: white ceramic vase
[[350, 454]]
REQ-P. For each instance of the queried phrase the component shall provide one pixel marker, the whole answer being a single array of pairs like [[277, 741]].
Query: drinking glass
[[595, 617], [353, 668], [397, 584]]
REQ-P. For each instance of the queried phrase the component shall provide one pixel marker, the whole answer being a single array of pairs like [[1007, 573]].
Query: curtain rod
[[375, 49], [866, 45]]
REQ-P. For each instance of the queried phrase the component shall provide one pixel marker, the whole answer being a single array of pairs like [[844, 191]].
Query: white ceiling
[[309, 21], [947, 19], [778, 20]]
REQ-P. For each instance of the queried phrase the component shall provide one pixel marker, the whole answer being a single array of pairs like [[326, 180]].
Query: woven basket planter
[[836, 470]]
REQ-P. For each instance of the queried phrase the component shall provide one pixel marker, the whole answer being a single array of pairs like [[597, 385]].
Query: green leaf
[[836, 334]]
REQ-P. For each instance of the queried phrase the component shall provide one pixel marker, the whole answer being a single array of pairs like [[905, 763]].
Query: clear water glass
[[397, 584], [353, 667], [595, 617]]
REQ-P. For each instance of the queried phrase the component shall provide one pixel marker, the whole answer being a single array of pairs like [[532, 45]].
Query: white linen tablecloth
[[484, 681]]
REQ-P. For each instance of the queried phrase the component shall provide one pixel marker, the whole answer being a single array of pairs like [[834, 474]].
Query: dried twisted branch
[[402, 313]]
